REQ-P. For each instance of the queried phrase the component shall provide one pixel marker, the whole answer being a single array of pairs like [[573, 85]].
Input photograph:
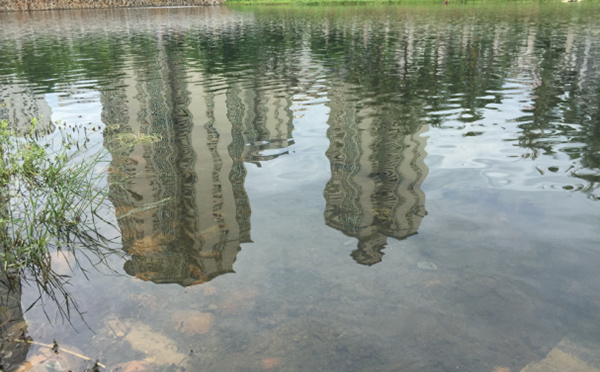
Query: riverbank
[[28, 5], [399, 2]]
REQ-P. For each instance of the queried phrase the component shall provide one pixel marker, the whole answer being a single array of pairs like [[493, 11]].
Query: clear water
[[334, 189]]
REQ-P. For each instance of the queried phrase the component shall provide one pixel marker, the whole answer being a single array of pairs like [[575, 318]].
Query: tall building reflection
[[180, 202], [377, 168]]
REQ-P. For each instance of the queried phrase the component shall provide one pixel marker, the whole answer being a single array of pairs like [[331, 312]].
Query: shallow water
[[348, 188]]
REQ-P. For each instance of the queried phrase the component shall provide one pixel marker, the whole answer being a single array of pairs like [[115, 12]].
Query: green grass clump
[[53, 198], [50, 191]]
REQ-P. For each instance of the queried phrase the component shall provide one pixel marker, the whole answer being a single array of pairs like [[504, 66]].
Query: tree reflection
[[218, 93]]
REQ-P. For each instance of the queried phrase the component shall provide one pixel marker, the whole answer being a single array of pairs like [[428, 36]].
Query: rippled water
[[349, 188]]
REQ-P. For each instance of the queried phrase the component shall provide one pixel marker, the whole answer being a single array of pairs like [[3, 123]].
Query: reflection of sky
[[281, 185], [80, 108], [491, 145], [307, 156]]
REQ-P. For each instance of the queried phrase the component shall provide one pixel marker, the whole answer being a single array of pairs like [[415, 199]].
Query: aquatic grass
[[46, 191], [50, 197], [53, 198]]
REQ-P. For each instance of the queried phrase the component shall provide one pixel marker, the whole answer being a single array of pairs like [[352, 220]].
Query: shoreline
[[11, 6], [20, 6]]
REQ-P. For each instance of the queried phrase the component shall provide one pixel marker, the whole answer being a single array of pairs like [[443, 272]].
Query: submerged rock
[[54, 366], [157, 347], [134, 366], [117, 327], [270, 363], [428, 266], [192, 322], [559, 361]]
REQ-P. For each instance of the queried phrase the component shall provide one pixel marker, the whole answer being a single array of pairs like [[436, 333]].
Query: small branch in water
[[144, 208], [54, 347]]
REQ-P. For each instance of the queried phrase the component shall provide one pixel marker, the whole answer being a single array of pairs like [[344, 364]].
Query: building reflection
[[19, 106], [180, 201], [377, 168]]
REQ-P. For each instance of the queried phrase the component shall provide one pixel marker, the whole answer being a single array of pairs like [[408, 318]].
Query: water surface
[[338, 189]]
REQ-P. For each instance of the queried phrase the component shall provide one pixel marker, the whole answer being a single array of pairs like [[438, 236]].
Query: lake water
[[373, 188]]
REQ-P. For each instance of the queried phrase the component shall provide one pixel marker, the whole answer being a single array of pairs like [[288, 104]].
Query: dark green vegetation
[[53, 198], [46, 192]]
